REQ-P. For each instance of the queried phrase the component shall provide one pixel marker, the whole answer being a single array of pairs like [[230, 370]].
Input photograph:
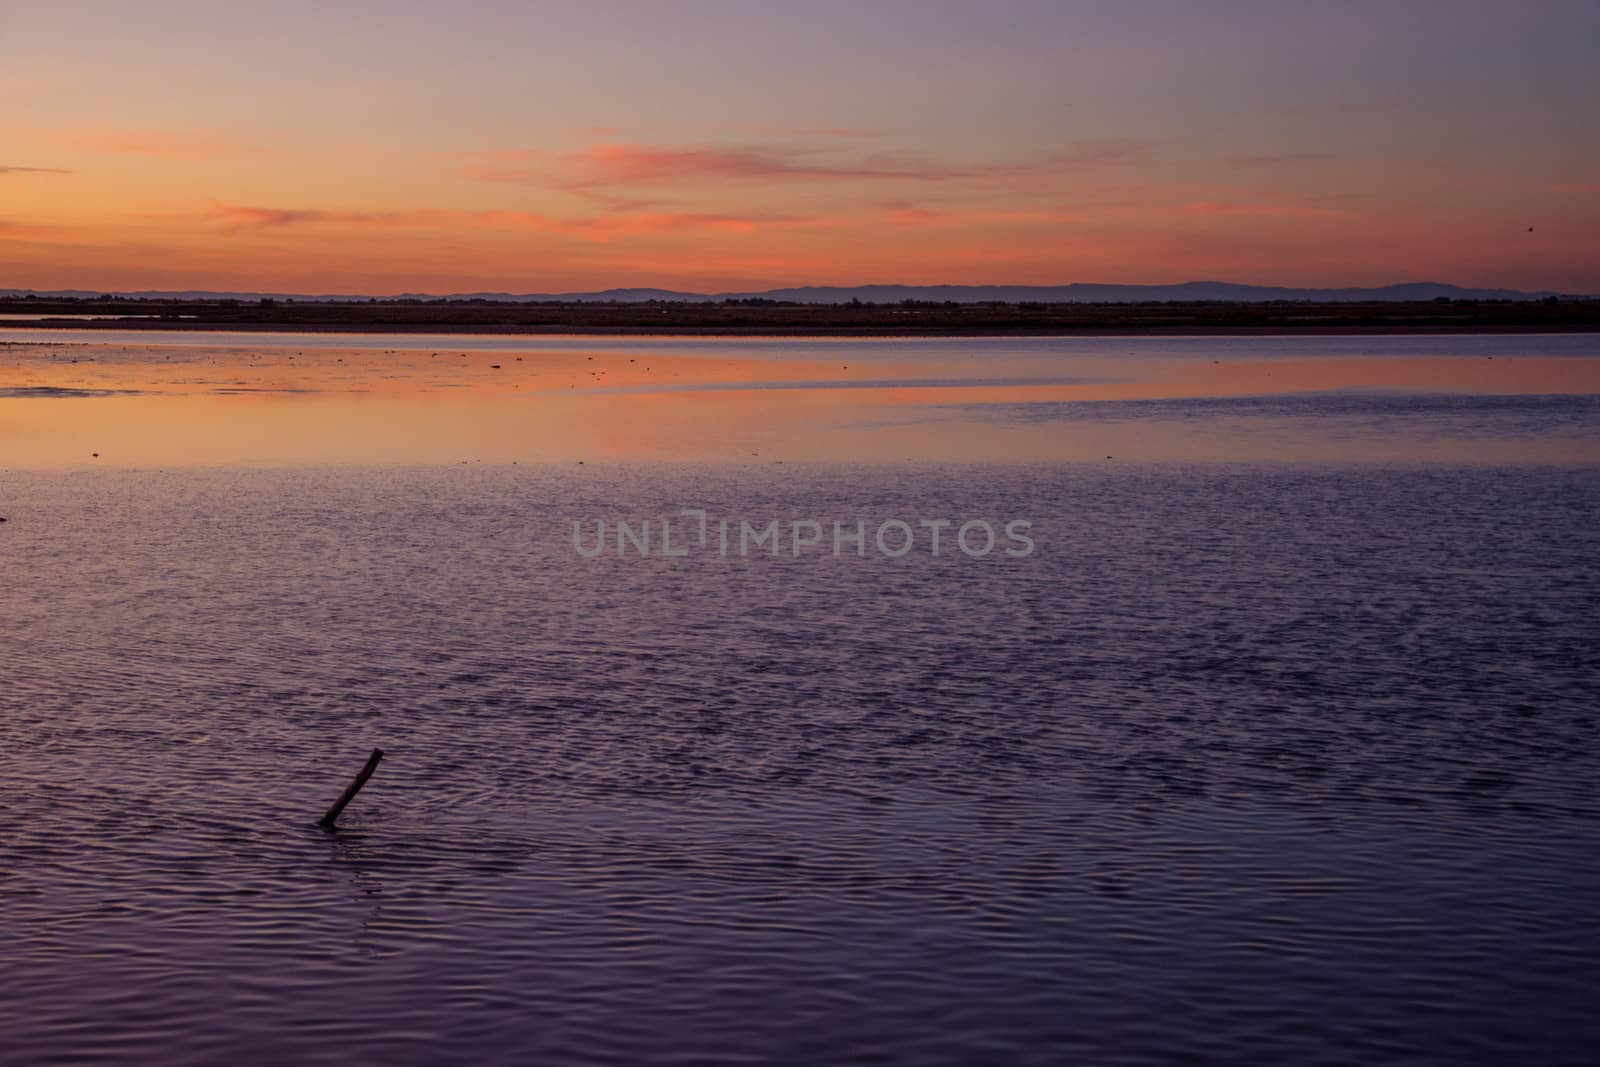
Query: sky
[[382, 148]]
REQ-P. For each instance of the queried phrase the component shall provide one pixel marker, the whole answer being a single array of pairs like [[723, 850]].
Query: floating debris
[[352, 789]]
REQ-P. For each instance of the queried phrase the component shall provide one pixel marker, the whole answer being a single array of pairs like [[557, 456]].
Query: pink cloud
[[612, 202], [609, 165], [904, 213], [1579, 187], [604, 228]]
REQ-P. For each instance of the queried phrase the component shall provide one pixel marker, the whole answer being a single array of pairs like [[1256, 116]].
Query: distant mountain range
[[1077, 293]]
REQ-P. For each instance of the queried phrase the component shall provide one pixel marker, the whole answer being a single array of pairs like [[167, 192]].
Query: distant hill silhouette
[[1088, 293], [1076, 293]]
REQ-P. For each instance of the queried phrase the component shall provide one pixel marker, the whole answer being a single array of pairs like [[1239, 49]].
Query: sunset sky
[[381, 148]]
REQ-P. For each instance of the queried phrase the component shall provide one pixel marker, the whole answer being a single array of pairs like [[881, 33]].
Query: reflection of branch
[[345, 854]]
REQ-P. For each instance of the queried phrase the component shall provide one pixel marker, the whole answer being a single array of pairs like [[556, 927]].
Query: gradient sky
[[380, 148]]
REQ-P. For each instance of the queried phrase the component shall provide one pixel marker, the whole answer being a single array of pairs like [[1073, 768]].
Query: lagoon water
[[1280, 747]]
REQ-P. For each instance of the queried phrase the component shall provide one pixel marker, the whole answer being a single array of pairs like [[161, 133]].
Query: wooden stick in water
[[352, 789]]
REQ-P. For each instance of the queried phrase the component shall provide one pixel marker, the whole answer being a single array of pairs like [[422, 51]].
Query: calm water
[[132, 398], [1266, 761]]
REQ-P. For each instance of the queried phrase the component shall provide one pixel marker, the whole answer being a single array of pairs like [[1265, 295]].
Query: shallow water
[[1270, 762], [132, 398], [1254, 764]]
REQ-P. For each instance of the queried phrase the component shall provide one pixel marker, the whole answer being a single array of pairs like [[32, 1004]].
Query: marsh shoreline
[[799, 331], [740, 319]]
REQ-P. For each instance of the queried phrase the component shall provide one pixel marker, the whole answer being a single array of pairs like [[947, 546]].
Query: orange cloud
[[11, 230], [240, 217], [611, 202], [32, 170]]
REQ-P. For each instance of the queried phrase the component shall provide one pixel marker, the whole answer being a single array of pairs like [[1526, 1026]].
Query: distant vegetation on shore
[[765, 316]]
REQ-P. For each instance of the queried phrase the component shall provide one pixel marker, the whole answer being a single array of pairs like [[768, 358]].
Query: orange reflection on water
[[154, 405]]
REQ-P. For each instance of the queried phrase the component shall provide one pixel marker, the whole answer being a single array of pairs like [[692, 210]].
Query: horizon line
[[688, 295]]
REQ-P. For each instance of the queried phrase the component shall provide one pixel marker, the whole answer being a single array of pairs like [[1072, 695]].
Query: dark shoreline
[[797, 331], [770, 319]]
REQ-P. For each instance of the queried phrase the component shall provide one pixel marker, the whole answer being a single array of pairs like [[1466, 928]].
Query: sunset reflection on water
[[277, 400]]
